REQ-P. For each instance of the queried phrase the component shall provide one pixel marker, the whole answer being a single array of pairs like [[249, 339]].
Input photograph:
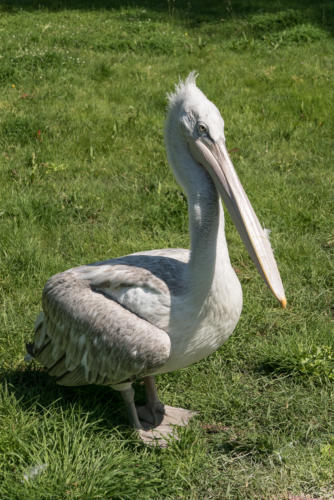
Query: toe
[[154, 438]]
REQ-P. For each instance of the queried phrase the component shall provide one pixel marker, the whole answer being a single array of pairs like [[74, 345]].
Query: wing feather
[[75, 377], [87, 338]]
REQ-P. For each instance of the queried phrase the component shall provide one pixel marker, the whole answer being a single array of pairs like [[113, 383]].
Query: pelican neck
[[209, 258]]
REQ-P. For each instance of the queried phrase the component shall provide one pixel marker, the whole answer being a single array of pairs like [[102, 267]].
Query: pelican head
[[199, 142]]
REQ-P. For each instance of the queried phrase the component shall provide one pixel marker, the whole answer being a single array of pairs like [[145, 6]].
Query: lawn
[[84, 177]]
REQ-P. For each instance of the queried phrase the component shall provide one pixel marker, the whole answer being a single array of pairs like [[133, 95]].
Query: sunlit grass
[[84, 177]]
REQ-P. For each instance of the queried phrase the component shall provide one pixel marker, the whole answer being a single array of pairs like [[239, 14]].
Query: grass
[[84, 177]]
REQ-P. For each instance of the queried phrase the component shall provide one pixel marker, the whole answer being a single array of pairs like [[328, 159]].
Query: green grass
[[84, 177]]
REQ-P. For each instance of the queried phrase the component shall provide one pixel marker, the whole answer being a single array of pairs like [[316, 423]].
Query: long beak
[[214, 157]]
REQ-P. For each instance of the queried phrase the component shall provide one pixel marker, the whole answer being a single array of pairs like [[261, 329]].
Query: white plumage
[[153, 312]]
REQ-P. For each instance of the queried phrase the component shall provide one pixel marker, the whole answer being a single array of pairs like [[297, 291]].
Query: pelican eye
[[202, 128]]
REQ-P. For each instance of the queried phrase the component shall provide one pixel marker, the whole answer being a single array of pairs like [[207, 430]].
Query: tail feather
[[30, 349], [30, 352]]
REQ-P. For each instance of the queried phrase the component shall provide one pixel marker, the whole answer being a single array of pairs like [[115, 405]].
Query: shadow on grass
[[238, 443], [258, 448], [35, 390], [192, 12]]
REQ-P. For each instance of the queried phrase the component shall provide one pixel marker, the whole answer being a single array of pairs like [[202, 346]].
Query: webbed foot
[[159, 426]]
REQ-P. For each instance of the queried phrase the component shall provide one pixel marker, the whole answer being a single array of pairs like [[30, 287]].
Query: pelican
[[134, 317]]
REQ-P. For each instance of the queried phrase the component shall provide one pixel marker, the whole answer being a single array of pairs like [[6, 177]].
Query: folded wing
[[86, 337]]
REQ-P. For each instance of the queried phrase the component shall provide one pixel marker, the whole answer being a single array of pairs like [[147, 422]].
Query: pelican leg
[[154, 422], [128, 397], [145, 429], [154, 409]]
